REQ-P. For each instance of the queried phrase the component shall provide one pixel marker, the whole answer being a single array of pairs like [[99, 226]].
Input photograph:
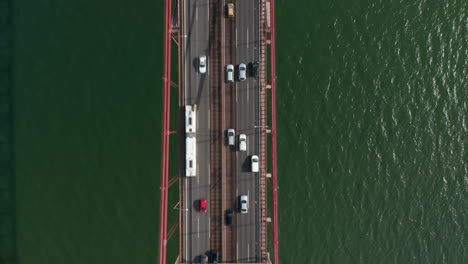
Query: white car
[[244, 204], [242, 72], [242, 142], [202, 64], [230, 72], [254, 163]]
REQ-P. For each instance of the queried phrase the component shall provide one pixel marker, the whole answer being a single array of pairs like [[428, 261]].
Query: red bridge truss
[[267, 32]]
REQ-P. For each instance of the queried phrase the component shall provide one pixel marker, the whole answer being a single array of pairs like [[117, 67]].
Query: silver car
[[230, 72], [244, 204], [242, 72], [242, 142], [202, 64]]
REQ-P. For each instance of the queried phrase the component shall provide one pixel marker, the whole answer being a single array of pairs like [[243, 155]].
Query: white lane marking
[[224, 40], [209, 227], [248, 251], [187, 71], [209, 173], [235, 87], [247, 38], [236, 37], [247, 92], [208, 119], [198, 226], [196, 13], [237, 254], [208, 21], [186, 219]]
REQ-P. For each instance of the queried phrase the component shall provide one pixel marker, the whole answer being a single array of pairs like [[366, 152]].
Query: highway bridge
[[215, 169]]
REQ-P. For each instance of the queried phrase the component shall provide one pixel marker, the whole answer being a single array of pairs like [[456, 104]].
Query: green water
[[87, 130], [372, 112]]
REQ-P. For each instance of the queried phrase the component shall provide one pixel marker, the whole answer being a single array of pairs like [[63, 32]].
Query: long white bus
[[190, 156], [190, 140]]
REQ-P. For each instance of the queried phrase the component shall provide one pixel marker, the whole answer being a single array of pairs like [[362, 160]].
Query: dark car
[[229, 216], [214, 256], [254, 68]]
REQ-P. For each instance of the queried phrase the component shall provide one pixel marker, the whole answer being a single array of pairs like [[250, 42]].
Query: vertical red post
[[273, 133], [166, 135]]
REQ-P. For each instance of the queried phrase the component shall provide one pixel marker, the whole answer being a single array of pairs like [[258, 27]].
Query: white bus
[[190, 156], [190, 119], [190, 140]]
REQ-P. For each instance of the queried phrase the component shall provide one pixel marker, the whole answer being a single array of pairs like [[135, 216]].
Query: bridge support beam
[[163, 237]]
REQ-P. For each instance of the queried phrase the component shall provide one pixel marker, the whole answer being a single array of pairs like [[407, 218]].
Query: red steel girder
[[273, 133], [165, 133]]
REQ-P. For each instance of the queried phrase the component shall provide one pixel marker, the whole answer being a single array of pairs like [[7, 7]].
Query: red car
[[203, 205]]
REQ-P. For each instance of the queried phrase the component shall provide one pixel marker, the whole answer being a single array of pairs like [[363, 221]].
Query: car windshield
[[254, 159], [242, 139], [242, 68], [231, 133]]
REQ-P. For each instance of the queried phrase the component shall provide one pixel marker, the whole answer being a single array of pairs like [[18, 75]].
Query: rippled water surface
[[373, 136], [372, 111]]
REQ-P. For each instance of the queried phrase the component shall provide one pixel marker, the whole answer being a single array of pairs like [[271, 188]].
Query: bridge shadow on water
[[7, 175]]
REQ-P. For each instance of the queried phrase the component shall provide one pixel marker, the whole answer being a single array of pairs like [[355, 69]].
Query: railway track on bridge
[[216, 114]]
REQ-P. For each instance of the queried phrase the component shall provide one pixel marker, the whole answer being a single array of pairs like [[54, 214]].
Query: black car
[[214, 256], [254, 68], [229, 216]]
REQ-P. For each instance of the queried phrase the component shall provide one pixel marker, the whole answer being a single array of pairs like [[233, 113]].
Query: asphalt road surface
[[197, 225], [247, 119]]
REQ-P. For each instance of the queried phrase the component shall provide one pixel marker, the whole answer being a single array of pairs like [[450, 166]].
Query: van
[[231, 133], [230, 9], [254, 163]]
